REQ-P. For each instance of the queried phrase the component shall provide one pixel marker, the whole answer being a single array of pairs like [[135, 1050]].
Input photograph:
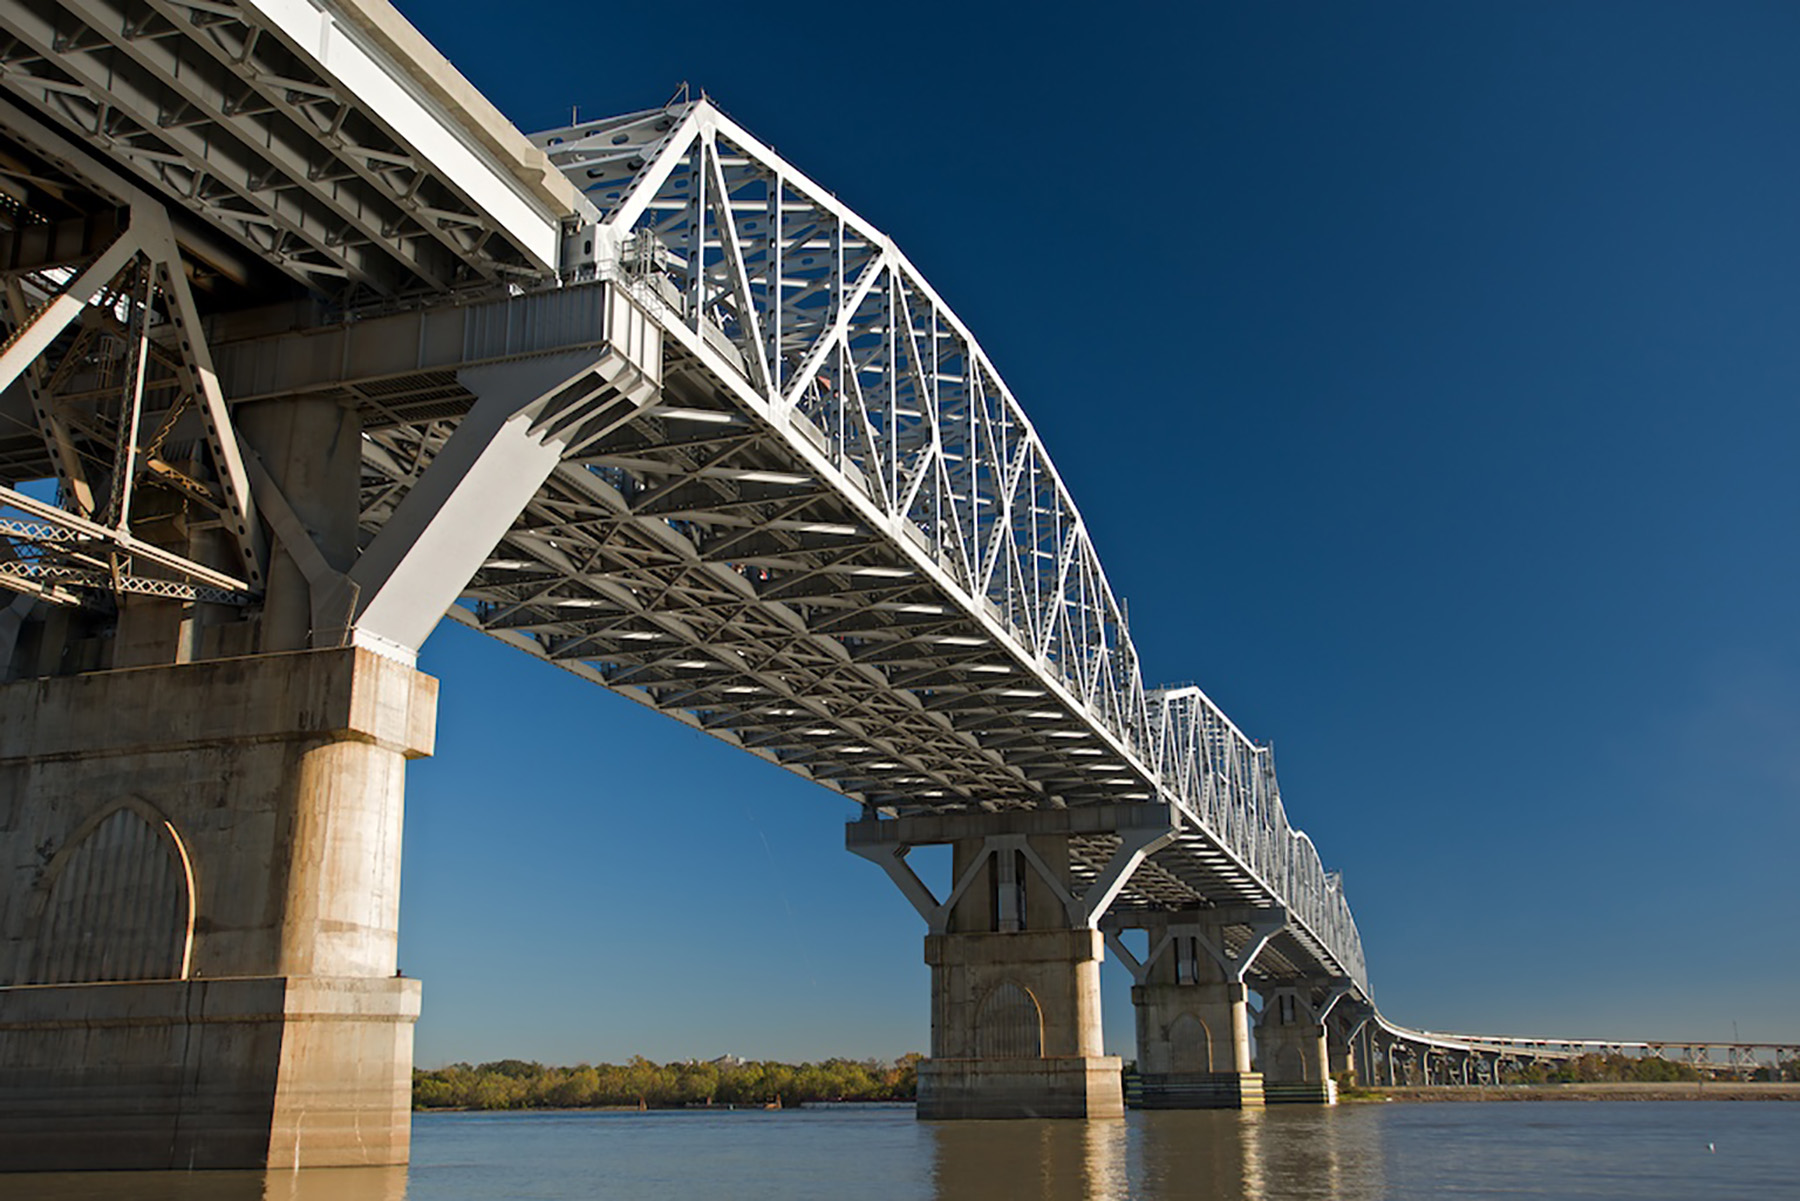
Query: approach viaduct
[[309, 348]]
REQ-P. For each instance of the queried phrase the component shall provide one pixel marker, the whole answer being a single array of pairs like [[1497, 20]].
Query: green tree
[[516, 1069]]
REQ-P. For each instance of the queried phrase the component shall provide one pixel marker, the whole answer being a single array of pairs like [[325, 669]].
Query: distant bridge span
[[316, 348]]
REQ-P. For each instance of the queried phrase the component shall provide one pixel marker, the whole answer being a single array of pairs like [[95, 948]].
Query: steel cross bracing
[[291, 129]]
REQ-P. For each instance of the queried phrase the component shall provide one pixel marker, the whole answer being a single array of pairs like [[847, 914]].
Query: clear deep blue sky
[[1429, 376]]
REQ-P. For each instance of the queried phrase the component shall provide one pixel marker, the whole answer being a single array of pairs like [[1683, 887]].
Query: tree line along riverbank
[[641, 1083]]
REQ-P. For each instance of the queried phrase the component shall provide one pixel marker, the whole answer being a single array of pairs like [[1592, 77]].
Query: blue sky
[[1428, 376]]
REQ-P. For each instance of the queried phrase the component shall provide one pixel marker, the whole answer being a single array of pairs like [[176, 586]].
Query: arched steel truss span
[[835, 438]]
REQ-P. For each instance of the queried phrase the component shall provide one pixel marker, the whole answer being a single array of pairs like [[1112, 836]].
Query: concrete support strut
[[200, 868], [1015, 956]]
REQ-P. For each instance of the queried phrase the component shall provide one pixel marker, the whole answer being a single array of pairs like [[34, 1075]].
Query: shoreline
[[1705, 1090]]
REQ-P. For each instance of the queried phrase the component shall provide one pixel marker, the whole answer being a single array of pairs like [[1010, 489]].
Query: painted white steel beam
[[526, 416], [336, 38], [329, 139]]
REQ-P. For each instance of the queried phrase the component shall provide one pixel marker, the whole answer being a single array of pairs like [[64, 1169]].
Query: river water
[[1586, 1150]]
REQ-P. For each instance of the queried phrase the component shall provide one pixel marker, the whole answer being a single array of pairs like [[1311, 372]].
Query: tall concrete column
[[1015, 956], [1291, 1044], [201, 795], [1015, 993], [1338, 1060], [200, 867], [1193, 1021]]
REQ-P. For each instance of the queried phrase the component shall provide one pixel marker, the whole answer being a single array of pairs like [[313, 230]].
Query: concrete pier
[[1292, 1048], [201, 869], [1015, 993], [1015, 1028], [1015, 955], [1193, 1022]]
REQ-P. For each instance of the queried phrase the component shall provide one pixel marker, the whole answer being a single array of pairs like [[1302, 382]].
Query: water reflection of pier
[[1215, 1155], [332, 1184]]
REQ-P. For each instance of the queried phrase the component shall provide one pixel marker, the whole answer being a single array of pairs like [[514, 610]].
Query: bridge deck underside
[[690, 563], [258, 118]]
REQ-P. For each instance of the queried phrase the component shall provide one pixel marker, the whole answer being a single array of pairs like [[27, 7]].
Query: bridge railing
[[851, 349]]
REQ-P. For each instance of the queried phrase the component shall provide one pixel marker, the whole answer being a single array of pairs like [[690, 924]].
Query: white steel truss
[[809, 517], [825, 334], [1721, 1059]]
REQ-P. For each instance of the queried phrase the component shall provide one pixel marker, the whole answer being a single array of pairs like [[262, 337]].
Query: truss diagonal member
[[503, 451], [1136, 844], [331, 595], [890, 857], [71, 474], [718, 197], [198, 376], [35, 335], [1139, 968], [833, 338]]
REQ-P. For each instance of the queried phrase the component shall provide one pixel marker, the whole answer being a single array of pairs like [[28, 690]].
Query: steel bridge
[[310, 347]]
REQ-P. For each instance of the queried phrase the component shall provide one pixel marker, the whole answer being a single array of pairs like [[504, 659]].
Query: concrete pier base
[[1071, 1086], [1301, 1092], [206, 1073], [1016, 1028], [199, 906], [1015, 954], [1201, 1090], [1193, 1022]]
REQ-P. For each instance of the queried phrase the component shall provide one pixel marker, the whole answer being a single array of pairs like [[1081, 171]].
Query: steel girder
[[692, 562], [834, 540]]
